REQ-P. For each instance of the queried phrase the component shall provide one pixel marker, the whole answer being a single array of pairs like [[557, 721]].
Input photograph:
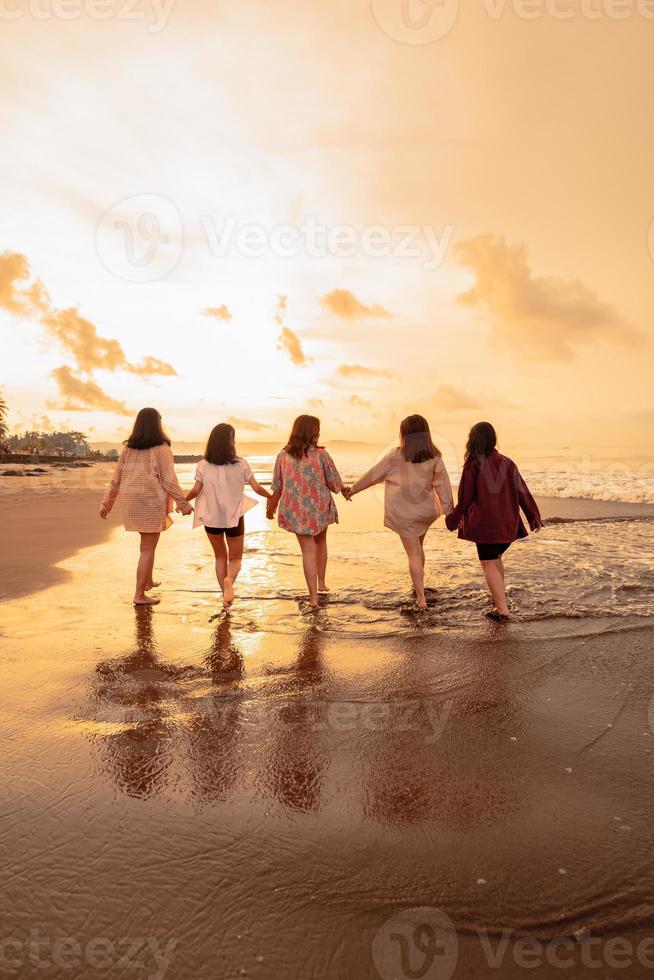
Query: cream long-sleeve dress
[[146, 486], [415, 494]]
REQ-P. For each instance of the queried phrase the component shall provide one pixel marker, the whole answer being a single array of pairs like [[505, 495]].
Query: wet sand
[[258, 795]]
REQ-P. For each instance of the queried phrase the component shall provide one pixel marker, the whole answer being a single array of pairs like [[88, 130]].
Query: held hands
[[104, 512], [184, 509], [270, 509], [347, 493]]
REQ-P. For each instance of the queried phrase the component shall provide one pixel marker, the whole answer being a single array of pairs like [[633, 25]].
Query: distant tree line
[[48, 443]]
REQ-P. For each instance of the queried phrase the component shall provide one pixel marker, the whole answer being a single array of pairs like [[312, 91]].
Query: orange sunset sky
[[157, 168]]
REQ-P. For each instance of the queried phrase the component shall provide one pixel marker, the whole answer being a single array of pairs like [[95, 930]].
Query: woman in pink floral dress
[[303, 482], [145, 480]]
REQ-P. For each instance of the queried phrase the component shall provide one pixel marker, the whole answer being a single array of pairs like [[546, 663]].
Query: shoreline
[[65, 520]]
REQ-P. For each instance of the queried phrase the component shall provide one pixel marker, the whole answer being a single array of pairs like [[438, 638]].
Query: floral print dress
[[306, 505]]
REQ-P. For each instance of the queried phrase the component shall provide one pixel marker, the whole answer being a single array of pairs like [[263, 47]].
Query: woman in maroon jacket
[[491, 493]]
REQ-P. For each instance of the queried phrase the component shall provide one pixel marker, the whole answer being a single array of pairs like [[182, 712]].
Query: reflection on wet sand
[[138, 755], [209, 729], [215, 722], [415, 776], [295, 757]]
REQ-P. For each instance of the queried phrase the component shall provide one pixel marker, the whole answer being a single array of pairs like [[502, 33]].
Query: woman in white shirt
[[219, 481]]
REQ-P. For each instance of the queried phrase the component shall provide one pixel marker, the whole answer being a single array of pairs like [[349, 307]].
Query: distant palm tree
[[3, 417]]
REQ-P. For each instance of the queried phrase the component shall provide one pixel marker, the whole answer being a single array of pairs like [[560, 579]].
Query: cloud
[[148, 367], [80, 338], [447, 396], [316, 402], [17, 294], [79, 394], [21, 295], [251, 424], [345, 304], [218, 312], [288, 340], [539, 317], [357, 402], [360, 370]]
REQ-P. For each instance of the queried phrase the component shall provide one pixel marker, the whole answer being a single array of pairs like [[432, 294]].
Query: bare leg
[[144, 568], [310, 565], [413, 548], [235, 547], [321, 560], [217, 542], [422, 547], [494, 573]]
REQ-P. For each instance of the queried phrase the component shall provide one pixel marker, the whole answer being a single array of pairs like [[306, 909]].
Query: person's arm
[[442, 486], [250, 479], [256, 486], [527, 502], [166, 465], [376, 474], [465, 497], [332, 476], [194, 491], [276, 487], [111, 492]]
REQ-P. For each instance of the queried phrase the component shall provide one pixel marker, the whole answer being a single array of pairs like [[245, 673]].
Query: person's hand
[[536, 526], [270, 511], [104, 512], [347, 492]]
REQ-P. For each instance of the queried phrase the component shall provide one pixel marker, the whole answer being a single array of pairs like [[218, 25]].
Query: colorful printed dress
[[306, 485], [145, 482]]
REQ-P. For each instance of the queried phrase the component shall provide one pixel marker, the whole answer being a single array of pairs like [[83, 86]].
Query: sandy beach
[[263, 794]]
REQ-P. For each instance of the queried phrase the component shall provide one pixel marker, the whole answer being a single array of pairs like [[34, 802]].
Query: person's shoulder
[[243, 463], [164, 449]]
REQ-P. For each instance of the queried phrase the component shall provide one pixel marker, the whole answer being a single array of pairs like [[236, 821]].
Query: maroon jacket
[[491, 493]]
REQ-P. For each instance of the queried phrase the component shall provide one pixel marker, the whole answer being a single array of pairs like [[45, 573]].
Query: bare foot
[[145, 600], [323, 588], [422, 603], [228, 590], [152, 585]]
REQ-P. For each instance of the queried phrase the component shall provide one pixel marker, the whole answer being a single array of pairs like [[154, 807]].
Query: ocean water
[[594, 561]]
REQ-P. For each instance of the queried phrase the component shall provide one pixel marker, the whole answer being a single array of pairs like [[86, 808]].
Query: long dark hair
[[148, 431], [221, 448], [304, 436], [417, 445], [482, 440]]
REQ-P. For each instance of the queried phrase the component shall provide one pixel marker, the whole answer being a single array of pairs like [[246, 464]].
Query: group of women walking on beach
[[417, 492]]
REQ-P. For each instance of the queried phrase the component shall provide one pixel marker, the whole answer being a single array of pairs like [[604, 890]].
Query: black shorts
[[491, 552], [231, 532]]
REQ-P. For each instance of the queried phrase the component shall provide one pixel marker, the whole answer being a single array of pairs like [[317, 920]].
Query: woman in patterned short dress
[[145, 480], [303, 482]]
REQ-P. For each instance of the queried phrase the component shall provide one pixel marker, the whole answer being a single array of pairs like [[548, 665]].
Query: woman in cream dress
[[417, 491], [145, 482]]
